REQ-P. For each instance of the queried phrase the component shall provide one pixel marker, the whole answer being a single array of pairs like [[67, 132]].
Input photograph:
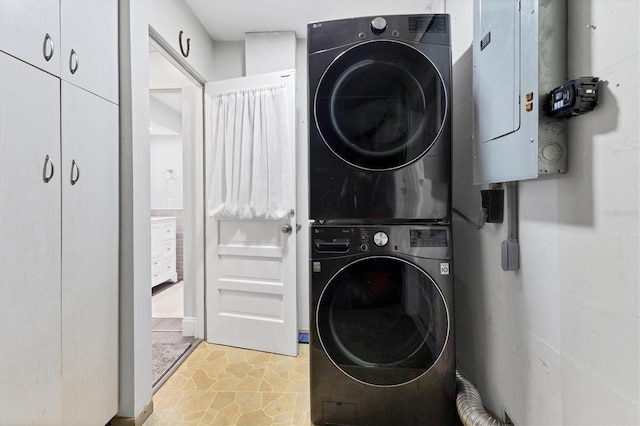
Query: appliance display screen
[[423, 24], [428, 238]]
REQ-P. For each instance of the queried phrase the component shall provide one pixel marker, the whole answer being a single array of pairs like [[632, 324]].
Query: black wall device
[[573, 98], [493, 204]]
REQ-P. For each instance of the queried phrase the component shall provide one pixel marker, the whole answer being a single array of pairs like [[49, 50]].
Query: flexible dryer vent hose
[[469, 404]]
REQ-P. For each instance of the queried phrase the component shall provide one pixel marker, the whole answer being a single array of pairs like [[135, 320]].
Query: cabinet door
[[30, 30], [90, 45], [89, 257], [29, 244]]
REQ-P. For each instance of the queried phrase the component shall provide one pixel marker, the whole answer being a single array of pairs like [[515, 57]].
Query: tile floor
[[220, 385], [167, 300]]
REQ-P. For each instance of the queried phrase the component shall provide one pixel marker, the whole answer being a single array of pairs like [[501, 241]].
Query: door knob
[[286, 229]]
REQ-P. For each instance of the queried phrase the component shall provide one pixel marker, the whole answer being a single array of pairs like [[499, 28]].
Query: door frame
[[193, 196]]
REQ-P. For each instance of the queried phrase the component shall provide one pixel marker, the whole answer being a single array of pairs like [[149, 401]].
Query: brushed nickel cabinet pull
[[47, 47], [74, 176], [47, 177], [74, 62]]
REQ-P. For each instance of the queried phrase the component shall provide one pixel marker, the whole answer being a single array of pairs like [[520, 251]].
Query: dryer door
[[380, 105], [382, 321]]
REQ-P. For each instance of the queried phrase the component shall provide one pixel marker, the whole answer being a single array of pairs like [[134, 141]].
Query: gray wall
[[557, 341]]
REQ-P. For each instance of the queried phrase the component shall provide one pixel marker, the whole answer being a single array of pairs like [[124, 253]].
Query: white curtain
[[252, 169]]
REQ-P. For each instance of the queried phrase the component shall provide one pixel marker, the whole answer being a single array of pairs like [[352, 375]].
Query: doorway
[[172, 91]]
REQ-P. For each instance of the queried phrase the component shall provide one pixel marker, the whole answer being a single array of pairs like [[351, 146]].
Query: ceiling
[[229, 20]]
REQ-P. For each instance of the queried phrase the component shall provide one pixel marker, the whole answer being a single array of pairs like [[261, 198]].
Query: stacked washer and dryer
[[381, 326]]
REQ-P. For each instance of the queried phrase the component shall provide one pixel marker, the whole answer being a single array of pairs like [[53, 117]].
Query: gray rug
[[164, 356]]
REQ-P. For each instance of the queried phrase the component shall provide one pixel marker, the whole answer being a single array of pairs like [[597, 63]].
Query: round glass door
[[380, 105], [382, 321]]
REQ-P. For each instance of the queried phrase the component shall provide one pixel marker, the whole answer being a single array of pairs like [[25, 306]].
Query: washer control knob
[[380, 239], [378, 25]]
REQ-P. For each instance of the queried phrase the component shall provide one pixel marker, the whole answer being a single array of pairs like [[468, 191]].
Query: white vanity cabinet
[[59, 224], [163, 250]]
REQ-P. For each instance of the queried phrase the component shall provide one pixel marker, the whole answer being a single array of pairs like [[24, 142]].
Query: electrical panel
[[519, 55]]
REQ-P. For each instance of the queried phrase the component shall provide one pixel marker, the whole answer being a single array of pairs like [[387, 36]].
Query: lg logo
[[444, 269]]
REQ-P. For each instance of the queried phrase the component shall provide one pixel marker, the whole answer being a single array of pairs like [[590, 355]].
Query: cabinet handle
[[74, 62], [185, 54], [47, 177], [48, 43], [74, 176]]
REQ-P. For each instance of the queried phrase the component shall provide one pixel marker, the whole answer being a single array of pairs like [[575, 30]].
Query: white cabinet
[[58, 234], [163, 250], [30, 305], [30, 30], [89, 50], [76, 40], [89, 257]]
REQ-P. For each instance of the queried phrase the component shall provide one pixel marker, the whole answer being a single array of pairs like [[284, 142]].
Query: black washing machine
[[381, 326], [380, 118]]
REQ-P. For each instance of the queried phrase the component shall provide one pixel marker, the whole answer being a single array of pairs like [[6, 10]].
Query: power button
[[378, 25], [380, 239]]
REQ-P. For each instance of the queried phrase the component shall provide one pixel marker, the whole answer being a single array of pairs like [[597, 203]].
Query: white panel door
[[30, 30], [90, 45], [29, 244], [251, 264], [89, 257]]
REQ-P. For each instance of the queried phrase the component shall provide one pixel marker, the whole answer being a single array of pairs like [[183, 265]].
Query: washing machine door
[[380, 105], [382, 321]]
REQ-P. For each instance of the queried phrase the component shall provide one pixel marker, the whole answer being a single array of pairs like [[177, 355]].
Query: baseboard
[[134, 421], [189, 326]]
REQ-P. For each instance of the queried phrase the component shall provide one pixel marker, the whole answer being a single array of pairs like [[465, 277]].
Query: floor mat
[[164, 356]]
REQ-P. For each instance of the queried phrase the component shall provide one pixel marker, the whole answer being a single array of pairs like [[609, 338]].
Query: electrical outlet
[[510, 253]]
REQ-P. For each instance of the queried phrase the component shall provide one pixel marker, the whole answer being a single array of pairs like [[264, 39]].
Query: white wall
[[168, 120], [135, 271], [229, 60], [269, 51], [557, 341], [166, 187]]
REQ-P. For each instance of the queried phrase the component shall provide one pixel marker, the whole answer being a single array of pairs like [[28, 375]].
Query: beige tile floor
[[219, 385]]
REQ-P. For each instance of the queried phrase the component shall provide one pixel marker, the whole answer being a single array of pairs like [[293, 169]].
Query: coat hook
[[185, 54]]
